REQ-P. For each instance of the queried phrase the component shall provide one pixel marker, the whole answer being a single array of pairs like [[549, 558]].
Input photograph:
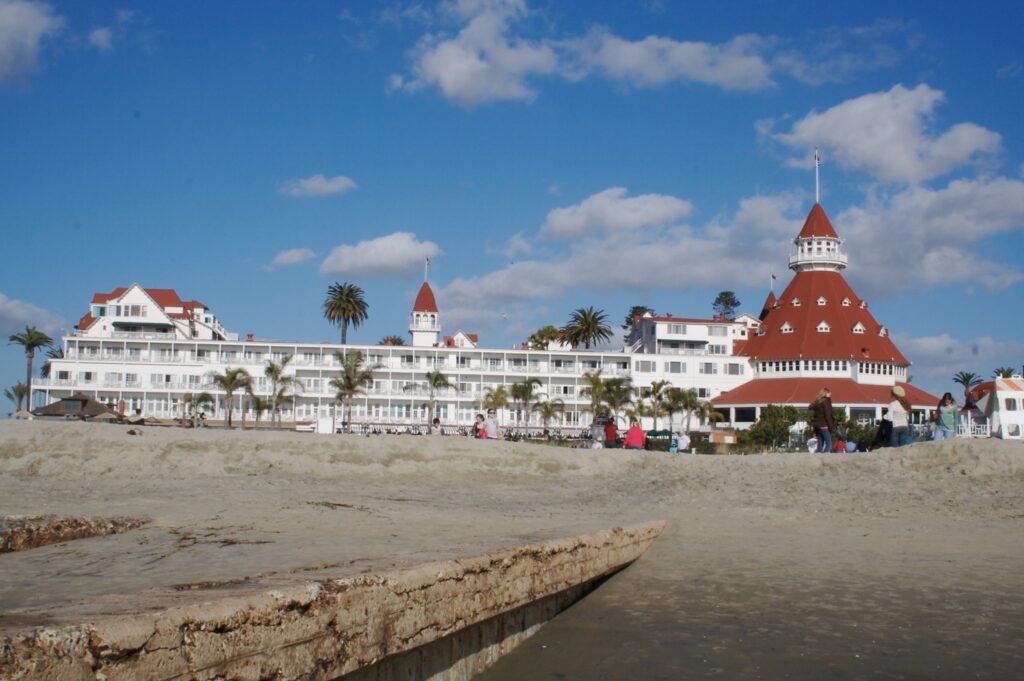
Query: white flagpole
[[817, 184]]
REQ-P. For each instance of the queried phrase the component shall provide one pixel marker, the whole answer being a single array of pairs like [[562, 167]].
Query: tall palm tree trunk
[[28, 381]]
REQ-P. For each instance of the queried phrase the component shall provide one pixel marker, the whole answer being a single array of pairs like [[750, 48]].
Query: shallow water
[[766, 619]]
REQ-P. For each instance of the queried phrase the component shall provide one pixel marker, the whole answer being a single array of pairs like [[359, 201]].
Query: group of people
[[608, 435], [486, 428], [894, 429]]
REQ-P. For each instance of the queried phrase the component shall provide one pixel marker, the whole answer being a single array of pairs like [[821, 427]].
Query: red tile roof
[[817, 224], [425, 300], [805, 341], [801, 391]]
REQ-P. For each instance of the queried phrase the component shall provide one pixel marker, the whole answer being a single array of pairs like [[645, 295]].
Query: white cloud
[[397, 254], [485, 61], [24, 25], [731, 252], [15, 315], [517, 245], [102, 39], [481, 64], [612, 211], [734, 65], [887, 134], [834, 54], [924, 237], [293, 256], [316, 186], [937, 358]]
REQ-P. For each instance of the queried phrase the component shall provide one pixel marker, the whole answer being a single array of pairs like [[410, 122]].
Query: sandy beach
[[926, 541]]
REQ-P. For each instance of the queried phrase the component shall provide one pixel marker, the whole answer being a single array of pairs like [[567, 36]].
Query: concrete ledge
[[331, 627]]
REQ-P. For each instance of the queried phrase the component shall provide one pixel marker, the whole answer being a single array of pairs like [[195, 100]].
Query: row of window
[[118, 310], [825, 327], [707, 368], [806, 365], [822, 301], [680, 329]]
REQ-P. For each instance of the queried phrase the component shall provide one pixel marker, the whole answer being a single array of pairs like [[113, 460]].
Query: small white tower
[[424, 324], [818, 247]]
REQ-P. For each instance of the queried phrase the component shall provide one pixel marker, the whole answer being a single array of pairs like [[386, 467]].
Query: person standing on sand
[[899, 416], [636, 438], [822, 420], [945, 423], [491, 425]]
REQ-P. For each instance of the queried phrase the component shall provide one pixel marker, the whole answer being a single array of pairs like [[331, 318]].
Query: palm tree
[[586, 327], [690, 403], [674, 403], [31, 339], [496, 397], [618, 392], [355, 378], [345, 305], [231, 381], [1004, 372], [706, 412], [549, 410], [16, 394], [52, 353], [657, 398], [543, 337], [968, 380], [392, 340], [523, 393], [260, 405], [594, 388], [435, 380], [280, 383], [192, 405]]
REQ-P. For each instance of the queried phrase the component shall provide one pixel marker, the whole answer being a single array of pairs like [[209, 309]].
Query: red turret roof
[[817, 224], [425, 300], [769, 303], [797, 308]]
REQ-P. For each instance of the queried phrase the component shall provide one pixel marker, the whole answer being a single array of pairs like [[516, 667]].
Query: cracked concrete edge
[[320, 629]]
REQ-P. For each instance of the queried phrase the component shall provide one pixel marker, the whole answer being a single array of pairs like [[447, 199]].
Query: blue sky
[[545, 156]]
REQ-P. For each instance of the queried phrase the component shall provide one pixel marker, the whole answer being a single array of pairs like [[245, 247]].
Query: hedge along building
[[818, 333]]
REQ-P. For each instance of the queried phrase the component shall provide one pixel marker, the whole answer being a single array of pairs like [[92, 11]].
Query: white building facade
[[150, 361]]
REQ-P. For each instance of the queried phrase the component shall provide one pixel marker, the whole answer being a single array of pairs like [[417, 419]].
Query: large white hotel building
[[147, 348]]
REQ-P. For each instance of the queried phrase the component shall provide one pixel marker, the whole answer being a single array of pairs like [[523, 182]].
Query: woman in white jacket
[[899, 415]]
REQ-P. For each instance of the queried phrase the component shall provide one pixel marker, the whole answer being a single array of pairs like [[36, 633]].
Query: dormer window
[[821, 301], [786, 328], [858, 328], [796, 302], [846, 302], [823, 327], [863, 304], [883, 332]]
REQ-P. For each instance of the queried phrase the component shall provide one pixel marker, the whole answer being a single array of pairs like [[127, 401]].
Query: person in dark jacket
[[822, 420]]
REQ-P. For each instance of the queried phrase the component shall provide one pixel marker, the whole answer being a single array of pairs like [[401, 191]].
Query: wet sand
[[878, 599]]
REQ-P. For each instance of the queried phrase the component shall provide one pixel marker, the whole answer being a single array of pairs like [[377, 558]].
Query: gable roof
[[806, 342], [425, 300], [817, 224]]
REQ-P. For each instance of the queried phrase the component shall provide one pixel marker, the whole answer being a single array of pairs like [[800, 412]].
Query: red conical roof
[[817, 224], [425, 300], [797, 309]]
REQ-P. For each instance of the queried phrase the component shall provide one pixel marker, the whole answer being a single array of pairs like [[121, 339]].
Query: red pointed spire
[[817, 224], [425, 300]]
